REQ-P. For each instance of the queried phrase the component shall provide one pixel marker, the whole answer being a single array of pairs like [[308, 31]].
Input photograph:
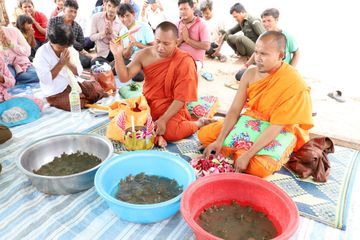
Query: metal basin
[[43, 151]]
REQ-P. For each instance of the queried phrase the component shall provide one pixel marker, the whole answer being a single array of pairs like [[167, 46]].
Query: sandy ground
[[333, 119]]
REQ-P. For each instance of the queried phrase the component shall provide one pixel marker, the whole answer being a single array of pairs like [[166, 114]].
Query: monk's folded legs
[[179, 127], [259, 165]]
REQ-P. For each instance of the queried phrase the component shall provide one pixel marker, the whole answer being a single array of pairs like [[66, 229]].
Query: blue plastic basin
[[156, 163]]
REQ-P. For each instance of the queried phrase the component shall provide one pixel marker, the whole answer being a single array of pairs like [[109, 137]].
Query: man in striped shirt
[[70, 12]]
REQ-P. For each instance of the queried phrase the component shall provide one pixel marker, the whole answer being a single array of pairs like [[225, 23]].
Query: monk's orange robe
[[281, 98], [170, 79]]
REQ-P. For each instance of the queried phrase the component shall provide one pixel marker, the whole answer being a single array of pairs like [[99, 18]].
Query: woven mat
[[327, 203]]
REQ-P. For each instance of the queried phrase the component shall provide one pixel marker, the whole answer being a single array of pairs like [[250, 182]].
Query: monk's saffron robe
[[281, 98], [170, 79]]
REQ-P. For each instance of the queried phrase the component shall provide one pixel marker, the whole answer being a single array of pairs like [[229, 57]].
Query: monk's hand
[[213, 148], [116, 48], [160, 126], [242, 162]]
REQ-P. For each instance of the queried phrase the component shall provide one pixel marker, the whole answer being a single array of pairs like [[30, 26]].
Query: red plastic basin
[[246, 190]]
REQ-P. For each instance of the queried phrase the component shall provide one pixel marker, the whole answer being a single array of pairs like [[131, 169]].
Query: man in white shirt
[[153, 13], [53, 63], [215, 26]]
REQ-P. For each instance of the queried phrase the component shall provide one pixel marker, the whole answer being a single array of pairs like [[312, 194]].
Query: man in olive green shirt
[[251, 28], [269, 18]]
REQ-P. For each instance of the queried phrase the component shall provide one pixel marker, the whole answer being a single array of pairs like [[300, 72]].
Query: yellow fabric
[[137, 107], [282, 98]]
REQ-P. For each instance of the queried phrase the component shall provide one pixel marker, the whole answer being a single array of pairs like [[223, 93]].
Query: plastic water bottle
[[29, 92], [75, 104]]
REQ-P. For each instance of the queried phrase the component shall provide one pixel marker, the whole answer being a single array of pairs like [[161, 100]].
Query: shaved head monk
[[170, 82], [269, 116]]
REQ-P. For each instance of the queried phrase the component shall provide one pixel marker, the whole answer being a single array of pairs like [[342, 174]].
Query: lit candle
[[132, 123]]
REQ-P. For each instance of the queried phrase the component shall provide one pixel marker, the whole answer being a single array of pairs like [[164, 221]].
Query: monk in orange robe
[[170, 82], [270, 114]]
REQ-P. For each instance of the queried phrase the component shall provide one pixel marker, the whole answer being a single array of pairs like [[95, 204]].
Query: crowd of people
[[167, 57]]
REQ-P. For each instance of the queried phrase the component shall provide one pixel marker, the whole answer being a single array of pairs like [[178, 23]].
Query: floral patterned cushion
[[247, 130], [205, 106]]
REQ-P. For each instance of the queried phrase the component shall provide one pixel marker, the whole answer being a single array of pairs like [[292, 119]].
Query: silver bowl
[[44, 150]]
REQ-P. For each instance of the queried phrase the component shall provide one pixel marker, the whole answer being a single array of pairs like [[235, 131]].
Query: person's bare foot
[[160, 141], [204, 121]]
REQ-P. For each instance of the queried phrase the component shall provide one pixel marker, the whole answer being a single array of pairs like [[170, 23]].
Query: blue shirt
[[144, 36]]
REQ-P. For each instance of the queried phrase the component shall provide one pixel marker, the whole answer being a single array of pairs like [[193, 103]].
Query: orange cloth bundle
[[120, 113]]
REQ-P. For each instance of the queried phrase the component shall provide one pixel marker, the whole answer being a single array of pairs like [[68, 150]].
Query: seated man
[[152, 12], [100, 6], [142, 38], [215, 26], [70, 11], [134, 6], [170, 82], [269, 18], [104, 27], [53, 60], [277, 113], [251, 28], [194, 36]]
